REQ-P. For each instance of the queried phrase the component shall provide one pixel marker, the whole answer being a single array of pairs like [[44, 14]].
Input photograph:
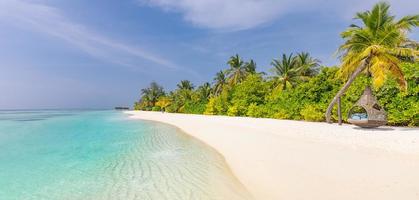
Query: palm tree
[[286, 70], [377, 47], [237, 72], [151, 94], [185, 85], [310, 66], [250, 67], [184, 92], [219, 82], [204, 91]]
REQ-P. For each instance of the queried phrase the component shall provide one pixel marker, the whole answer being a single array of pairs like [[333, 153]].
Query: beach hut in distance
[[367, 113]]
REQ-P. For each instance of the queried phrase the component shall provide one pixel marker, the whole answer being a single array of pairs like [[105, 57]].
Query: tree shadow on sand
[[386, 129], [374, 129]]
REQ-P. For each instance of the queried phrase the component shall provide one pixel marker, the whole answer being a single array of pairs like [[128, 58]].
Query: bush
[[251, 91], [195, 107], [232, 111], [218, 105], [210, 107], [402, 106], [312, 113], [255, 111], [156, 108], [281, 114]]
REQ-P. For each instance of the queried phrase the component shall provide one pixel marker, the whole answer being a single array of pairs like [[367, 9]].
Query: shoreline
[[282, 159]]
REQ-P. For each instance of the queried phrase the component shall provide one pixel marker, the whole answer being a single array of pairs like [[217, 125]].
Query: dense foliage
[[258, 96], [377, 46], [299, 89]]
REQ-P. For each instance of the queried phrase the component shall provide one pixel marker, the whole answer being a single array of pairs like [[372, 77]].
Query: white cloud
[[222, 14], [49, 20], [232, 15]]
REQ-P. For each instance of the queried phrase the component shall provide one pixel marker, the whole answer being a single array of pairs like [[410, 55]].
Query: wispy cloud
[[49, 20], [233, 15]]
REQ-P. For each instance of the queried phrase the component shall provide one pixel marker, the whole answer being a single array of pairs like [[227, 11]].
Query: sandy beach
[[281, 159]]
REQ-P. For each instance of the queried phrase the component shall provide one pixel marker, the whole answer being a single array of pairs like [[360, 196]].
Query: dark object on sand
[[121, 108]]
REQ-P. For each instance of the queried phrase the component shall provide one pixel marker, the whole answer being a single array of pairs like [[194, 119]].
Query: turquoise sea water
[[99, 155]]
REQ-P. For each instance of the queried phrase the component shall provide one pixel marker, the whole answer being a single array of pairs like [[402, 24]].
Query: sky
[[99, 53]]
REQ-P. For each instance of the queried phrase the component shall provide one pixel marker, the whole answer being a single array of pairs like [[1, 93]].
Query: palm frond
[[408, 22]]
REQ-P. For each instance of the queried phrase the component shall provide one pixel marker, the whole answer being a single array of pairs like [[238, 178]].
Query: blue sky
[[100, 53]]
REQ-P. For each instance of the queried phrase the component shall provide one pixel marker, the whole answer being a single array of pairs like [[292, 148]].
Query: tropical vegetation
[[377, 47], [376, 52]]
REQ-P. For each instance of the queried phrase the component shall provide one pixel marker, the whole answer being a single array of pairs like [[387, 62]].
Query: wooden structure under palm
[[367, 113]]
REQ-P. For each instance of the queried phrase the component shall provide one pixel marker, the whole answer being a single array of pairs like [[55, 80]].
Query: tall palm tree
[[185, 85], [286, 70], [151, 94], [219, 82], [376, 47], [237, 72], [310, 66]]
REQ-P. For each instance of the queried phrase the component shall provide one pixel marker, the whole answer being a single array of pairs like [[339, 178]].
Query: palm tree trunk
[[343, 90], [339, 112]]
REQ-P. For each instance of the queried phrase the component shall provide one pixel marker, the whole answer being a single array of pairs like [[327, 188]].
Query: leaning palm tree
[[237, 72], [286, 71], [219, 82], [377, 47]]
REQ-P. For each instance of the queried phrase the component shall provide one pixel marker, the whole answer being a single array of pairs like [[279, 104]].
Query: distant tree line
[[376, 53]]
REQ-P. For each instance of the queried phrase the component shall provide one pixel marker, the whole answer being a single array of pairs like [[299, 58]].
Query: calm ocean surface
[[99, 155]]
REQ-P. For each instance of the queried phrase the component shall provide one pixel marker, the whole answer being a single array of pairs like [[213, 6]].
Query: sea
[[105, 155]]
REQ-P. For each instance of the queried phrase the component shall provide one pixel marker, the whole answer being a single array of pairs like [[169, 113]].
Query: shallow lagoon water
[[99, 155]]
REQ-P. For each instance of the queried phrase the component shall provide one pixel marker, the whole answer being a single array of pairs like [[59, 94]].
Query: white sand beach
[[281, 159]]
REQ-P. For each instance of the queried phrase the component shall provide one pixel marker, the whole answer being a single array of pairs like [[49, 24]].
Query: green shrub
[[312, 113], [255, 111], [156, 108], [192, 107], [251, 91], [281, 114], [232, 111], [402, 106], [210, 107]]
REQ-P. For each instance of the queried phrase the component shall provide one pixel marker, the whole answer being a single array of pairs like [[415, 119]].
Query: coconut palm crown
[[185, 85], [286, 71], [291, 70], [379, 45], [237, 71], [310, 66]]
